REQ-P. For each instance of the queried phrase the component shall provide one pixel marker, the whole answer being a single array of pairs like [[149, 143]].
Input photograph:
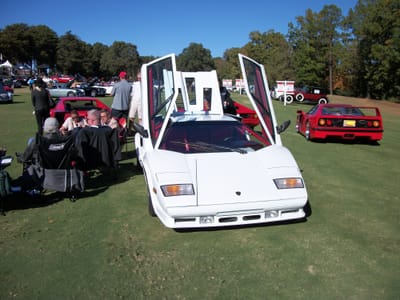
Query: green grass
[[105, 246]]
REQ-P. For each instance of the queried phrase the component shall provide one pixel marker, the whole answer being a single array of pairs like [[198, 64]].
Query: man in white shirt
[[136, 100], [72, 122]]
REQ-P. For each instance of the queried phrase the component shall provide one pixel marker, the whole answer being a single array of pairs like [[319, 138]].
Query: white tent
[[6, 69], [7, 64]]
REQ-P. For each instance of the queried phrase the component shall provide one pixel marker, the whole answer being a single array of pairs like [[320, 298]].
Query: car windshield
[[211, 136]]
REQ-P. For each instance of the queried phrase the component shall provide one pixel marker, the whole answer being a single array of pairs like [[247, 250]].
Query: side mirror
[[139, 128], [283, 126]]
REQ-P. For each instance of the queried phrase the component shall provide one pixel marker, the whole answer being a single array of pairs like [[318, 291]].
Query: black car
[[92, 91]]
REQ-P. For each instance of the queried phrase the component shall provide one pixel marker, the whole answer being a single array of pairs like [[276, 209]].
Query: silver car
[[57, 91]]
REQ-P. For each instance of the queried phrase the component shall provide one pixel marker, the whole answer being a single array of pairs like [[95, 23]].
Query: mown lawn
[[105, 246]]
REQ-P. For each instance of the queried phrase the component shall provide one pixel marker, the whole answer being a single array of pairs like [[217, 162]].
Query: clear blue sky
[[159, 27]]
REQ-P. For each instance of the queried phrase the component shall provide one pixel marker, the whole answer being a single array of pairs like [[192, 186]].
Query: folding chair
[[53, 166]]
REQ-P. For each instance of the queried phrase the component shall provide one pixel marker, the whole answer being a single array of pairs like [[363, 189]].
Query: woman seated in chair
[[50, 131]]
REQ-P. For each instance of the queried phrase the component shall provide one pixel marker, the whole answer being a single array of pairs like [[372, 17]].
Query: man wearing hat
[[121, 92]]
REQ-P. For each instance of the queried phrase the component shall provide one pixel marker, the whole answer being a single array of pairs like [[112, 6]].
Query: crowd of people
[[126, 104]]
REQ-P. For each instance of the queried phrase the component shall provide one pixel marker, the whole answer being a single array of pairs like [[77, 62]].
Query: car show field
[[105, 246]]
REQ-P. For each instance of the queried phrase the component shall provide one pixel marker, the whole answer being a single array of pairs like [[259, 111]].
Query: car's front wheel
[[323, 101], [289, 99], [70, 94], [300, 97], [93, 93]]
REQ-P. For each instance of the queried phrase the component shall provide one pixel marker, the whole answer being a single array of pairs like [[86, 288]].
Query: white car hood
[[222, 178]]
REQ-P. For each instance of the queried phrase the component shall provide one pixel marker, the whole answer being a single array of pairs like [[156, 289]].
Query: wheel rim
[[322, 101], [300, 97], [289, 99]]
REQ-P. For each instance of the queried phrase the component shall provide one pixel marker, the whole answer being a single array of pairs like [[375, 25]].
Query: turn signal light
[[177, 190], [375, 124]]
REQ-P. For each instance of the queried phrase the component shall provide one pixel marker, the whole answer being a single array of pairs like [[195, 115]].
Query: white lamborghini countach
[[204, 168]]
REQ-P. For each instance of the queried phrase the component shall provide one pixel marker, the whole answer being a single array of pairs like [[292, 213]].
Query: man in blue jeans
[[121, 92]]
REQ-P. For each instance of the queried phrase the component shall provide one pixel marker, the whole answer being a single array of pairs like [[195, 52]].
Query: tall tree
[[195, 58], [44, 44], [120, 56], [73, 55], [273, 51], [97, 52], [376, 26], [16, 44], [315, 40]]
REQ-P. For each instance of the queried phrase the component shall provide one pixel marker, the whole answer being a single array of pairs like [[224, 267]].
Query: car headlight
[[177, 190], [289, 183]]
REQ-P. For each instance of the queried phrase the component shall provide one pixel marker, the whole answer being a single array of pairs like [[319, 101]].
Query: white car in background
[[207, 169], [57, 91]]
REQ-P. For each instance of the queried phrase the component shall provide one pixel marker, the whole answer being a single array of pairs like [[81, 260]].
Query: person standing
[[121, 92], [136, 101], [41, 103]]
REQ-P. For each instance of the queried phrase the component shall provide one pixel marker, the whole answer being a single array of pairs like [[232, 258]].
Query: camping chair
[[53, 166], [97, 148]]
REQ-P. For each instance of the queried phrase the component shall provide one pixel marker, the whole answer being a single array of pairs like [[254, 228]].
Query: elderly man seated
[[97, 145]]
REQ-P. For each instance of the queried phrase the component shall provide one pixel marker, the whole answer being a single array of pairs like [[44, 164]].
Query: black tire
[[307, 209], [307, 133], [322, 101], [298, 125], [289, 99], [152, 213], [70, 94], [300, 97], [150, 206]]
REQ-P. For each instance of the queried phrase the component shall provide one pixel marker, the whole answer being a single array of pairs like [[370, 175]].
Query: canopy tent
[[6, 69], [7, 64]]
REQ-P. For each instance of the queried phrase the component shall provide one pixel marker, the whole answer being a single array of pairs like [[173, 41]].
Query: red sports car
[[64, 105], [62, 78], [340, 121], [248, 116]]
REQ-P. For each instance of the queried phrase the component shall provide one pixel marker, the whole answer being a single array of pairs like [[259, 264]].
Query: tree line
[[354, 55]]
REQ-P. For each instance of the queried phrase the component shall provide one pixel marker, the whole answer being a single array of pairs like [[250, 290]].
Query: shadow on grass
[[356, 141], [96, 182]]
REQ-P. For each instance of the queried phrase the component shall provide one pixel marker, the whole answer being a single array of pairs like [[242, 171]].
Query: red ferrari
[[340, 121], [248, 116], [64, 105]]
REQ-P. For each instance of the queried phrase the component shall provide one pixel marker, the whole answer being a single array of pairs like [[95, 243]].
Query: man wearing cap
[[121, 92]]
